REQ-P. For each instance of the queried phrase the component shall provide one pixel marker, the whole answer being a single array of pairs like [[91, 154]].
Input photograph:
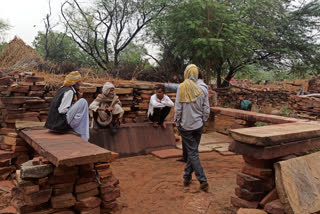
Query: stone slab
[[276, 134], [134, 139], [250, 211], [167, 153], [64, 149], [253, 116], [277, 151], [29, 125], [275, 207], [298, 183]]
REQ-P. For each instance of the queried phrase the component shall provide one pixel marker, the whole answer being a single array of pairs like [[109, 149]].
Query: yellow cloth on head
[[71, 79], [189, 91]]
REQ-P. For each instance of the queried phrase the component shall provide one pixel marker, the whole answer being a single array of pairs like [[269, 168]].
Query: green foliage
[[285, 111], [2, 46], [230, 35], [60, 49], [133, 54], [3, 28], [259, 124]]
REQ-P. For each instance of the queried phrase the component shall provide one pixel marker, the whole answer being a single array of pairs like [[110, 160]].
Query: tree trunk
[[227, 79], [208, 73]]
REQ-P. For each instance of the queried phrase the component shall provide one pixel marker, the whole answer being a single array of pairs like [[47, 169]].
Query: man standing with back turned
[[191, 112]]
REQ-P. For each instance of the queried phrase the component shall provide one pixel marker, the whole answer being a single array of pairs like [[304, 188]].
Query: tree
[[66, 50], [105, 28], [226, 36], [3, 28]]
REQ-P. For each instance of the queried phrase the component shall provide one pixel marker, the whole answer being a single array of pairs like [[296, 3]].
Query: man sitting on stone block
[[106, 109], [67, 111], [159, 107]]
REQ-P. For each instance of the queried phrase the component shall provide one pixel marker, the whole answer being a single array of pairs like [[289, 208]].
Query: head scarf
[[72, 78], [189, 91], [106, 88]]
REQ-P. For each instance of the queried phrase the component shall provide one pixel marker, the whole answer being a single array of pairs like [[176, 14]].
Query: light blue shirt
[[191, 116]]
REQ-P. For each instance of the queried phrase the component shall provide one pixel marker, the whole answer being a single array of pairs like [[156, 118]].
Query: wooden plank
[[64, 149], [253, 116], [271, 152], [276, 134]]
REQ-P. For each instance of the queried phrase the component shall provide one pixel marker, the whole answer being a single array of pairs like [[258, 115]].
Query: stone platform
[[134, 139], [64, 149]]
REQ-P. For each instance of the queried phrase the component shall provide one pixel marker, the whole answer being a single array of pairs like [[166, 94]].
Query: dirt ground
[[152, 185]]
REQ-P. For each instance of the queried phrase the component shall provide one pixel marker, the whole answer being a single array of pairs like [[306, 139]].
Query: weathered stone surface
[[247, 195], [33, 79], [60, 189], [38, 171], [109, 205], [276, 134], [86, 187], [64, 149], [254, 184], [250, 211], [92, 211], [110, 196], [88, 203], [37, 198], [238, 202], [88, 194], [8, 210], [61, 179], [102, 166], [30, 189], [298, 184], [5, 155], [277, 151], [64, 170], [271, 196], [21, 182], [124, 91], [63, 201], [253, 116], [133, 139], [167, 153], [7, 185], [258, 172], [275, 207]]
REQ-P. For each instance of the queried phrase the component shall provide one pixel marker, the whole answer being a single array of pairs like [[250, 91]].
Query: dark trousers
[[159, 114], [191, 140]]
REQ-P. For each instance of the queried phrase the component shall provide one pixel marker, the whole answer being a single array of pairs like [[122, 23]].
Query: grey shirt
[[191, 116]]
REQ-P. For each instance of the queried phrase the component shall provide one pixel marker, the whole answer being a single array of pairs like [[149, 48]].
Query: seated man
[[159, 107], [67, 111], [106, 109]]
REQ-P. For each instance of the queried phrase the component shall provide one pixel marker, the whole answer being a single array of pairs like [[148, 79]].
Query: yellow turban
[[72, 78], [189, 91]]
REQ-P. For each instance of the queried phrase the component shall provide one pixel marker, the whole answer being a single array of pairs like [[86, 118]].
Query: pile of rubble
[[305, 107]]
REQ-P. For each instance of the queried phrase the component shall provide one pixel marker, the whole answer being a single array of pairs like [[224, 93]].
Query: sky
[[26, 17]]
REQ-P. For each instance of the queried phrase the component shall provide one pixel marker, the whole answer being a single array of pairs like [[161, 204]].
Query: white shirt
[[156, 103], [66, 101]]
